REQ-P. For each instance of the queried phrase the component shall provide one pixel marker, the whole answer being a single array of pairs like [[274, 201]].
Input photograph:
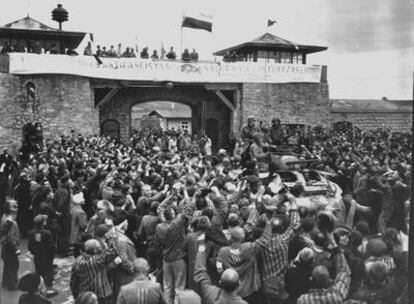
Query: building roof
[[29, 28], [28, 23], [273, 42], [371, 105], [170, 113]]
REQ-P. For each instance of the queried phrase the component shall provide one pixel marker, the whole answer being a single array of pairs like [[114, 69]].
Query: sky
[[370, 43]]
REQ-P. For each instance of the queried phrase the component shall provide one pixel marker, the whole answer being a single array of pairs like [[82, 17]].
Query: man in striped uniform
[[89, 272], [275, 254]]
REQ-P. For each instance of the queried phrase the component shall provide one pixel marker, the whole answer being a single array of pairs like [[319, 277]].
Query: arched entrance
[[205, 103], [32, 138], [110, 127], [161, 115], [343, 126]]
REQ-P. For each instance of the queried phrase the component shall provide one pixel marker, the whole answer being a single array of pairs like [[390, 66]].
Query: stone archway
[[110, 127], [204, 105], [342, 125]]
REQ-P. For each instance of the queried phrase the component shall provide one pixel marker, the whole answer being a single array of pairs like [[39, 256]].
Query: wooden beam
[[222, 86], [226, 101], [107, 97]]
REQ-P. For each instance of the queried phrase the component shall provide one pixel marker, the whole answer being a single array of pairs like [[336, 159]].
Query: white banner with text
[[136, 69]]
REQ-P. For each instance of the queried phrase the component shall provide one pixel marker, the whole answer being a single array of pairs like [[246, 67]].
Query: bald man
[[241, 256], [229, 281], [142, 290]]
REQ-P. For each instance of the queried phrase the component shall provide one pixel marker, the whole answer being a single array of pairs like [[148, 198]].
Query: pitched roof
[[29, 28], [270, 41], [28, 23], [371, 105]]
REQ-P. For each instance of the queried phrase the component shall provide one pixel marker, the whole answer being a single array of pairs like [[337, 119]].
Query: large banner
[[163, 70]]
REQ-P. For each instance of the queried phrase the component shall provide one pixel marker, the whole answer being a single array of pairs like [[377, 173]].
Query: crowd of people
[[29, 47], [111, 52], [164, 219], [131, 52]]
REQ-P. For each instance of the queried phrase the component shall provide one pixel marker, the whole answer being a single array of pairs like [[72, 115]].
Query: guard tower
[[28, 35], [269, 48]]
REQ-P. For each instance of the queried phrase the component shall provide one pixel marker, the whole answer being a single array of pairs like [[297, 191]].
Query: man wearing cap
[[249, 130], [276, 133], [42, 247], [275, 254], [229, 281]]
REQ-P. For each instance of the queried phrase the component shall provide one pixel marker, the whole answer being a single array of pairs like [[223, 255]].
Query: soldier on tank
[[248, 131]]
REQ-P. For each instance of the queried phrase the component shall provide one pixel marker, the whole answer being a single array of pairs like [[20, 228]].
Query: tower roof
[[272, 42], [28, 23], [29, 28]]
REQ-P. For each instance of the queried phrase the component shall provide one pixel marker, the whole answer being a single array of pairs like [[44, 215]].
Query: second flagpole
[[181, 43]]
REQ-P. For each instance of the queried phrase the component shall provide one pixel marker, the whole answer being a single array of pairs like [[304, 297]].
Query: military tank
[[287, 168]]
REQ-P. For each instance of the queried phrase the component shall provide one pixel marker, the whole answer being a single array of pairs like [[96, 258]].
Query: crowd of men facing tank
[[152, 225]]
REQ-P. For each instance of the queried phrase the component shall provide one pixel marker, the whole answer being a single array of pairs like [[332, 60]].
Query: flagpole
[[181, 44]]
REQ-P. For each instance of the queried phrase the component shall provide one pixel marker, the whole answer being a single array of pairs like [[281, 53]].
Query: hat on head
[[252, 179], [305, 255], [65, 178], [29, 282], [39, 219], [250, 118], [376, 248], [377, 271], [342, 230]]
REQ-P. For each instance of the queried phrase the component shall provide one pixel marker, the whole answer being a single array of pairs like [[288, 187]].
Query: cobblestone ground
[[61, 281]]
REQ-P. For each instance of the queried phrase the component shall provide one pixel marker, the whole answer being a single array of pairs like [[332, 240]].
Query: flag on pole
[[198, 21], [162, 50], [270, 22]]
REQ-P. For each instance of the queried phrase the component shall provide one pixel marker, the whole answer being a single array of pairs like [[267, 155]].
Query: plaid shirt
[[335, 294], [89, 274], [275, 254], [171, 236]]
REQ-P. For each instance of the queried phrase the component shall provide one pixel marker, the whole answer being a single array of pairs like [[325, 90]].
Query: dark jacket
[[41, 244], [297, 280]]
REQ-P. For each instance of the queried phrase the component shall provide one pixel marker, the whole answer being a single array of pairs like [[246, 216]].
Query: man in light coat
[[142, 289]]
